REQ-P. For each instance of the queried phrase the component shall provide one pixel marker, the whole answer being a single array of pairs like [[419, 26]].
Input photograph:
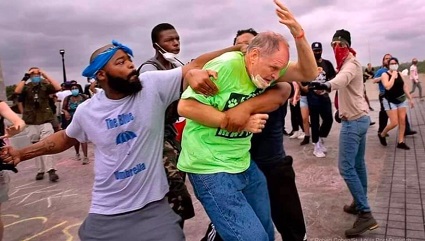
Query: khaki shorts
[[4, 186]]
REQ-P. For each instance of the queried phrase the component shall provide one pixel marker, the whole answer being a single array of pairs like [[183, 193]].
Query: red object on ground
[[180, 127]]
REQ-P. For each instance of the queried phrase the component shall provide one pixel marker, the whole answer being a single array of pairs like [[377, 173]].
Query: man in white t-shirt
[[414, 77], [125, 122], [66, 91]]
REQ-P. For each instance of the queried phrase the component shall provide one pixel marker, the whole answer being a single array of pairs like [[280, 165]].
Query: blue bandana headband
[[102, 59]]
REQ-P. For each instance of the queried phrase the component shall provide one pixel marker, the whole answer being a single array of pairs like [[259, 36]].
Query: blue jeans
[[237, 204], [352, 167]]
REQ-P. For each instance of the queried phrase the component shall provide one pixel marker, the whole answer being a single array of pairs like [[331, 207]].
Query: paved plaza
[[40, 210]]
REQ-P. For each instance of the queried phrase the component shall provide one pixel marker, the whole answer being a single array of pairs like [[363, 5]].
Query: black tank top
[[397, 89]]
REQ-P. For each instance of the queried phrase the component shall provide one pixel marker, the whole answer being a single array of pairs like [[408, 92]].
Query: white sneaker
[[86, 161], [318, 151], [301, 136], [77, 157], [322, 146], [296, 134]]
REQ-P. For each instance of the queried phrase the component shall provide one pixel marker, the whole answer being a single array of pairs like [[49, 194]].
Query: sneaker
[[410, 133], [383, 140], [318, 151], [39, 176], [285, 133], [53, 177], [86, 160], [295, 134], [403, 145], [351, 209], [372, 123], [305, 141], [301, 136], [363, 223], [78, 157], [322, 145]]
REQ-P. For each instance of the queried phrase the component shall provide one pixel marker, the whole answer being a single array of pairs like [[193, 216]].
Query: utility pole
[[3, 96]]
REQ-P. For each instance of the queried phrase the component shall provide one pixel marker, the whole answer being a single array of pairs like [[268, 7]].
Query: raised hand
[[286, 18]]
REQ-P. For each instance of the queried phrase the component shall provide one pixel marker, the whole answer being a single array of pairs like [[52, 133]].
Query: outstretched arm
[[55, 143]]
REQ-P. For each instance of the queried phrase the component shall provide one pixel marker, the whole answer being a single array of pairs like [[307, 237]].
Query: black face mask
[[318, 55], [124, 86]]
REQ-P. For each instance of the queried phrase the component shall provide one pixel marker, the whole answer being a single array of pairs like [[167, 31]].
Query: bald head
[[100, 50], [269, 43]]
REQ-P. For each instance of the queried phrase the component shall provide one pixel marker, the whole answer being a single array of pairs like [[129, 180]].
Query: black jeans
[[296, 118], [324, 111], [285, 202]]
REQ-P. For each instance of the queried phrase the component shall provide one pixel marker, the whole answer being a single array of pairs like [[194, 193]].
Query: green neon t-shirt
[[207, 150]]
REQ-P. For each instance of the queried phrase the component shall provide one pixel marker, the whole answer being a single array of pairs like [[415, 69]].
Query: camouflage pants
[[178, 196]]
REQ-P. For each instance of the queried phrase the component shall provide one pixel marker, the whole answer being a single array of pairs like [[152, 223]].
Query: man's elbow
[[183, 108], [310, 74]]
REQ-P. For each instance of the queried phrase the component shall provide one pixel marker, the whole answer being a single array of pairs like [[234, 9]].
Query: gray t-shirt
[[128, 140]]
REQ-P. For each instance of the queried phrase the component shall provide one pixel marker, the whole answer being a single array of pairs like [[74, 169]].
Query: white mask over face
[[170, 57], [394, 67]]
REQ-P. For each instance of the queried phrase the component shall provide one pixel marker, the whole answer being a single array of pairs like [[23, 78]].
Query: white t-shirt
[[61, 96], [128, 141], [414, 72]]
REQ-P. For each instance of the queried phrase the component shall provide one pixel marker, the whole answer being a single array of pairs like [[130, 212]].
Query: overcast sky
[[33, 32]]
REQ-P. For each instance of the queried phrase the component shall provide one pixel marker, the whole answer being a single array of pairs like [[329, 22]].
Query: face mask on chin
[[170, 57], [258, 81], [125, 86]]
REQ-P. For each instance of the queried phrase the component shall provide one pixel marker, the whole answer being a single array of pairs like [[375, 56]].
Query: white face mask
[[394, 67], [170, 57], [259, 82]]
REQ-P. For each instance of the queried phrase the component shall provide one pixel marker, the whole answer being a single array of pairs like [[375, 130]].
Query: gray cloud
[[34, 31]]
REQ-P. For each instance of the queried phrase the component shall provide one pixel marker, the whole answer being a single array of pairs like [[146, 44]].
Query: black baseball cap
[[316, 46]]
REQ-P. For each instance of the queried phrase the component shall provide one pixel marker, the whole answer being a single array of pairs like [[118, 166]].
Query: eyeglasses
[[338, 43]]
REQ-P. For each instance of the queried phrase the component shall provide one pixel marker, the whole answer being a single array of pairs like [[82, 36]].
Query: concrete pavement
[[40, 210]]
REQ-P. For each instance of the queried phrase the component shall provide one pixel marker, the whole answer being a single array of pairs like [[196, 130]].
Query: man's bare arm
[[235, 118], [305, 69], [55, 143]]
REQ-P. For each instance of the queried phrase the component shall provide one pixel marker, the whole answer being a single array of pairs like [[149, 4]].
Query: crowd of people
[[231, 148]]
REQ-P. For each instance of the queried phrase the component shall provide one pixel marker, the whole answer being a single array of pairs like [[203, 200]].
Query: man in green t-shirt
[[229, 185]]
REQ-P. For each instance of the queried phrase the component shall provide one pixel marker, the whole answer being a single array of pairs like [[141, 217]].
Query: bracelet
[[301, 35]]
